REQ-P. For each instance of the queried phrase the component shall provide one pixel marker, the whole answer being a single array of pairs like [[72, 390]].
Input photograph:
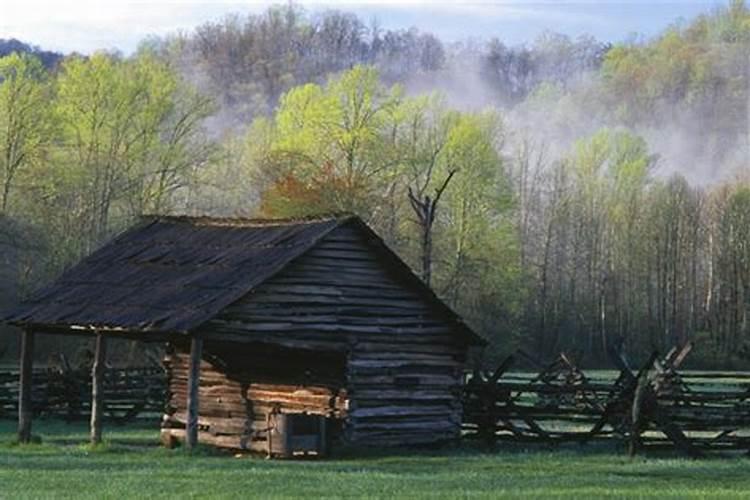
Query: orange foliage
[[326, 191]]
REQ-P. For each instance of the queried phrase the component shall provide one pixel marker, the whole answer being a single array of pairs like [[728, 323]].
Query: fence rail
[[655, 406], [129, 393]]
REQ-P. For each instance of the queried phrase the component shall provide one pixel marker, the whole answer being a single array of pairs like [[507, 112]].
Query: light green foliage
[[24, 119], [358, 146], [612, 167], [592, 233], [629, 258], [476, 247], [110, 111], [616, 250], [330, 141], [685, 66], [100, 141], [476, 205]]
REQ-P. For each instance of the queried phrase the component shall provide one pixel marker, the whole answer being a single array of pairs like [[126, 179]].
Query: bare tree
[[425, 208]]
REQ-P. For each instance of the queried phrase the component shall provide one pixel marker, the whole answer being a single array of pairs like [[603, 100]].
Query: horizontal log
[[356, 362], [402, 410], [413, 340], [414, 344], [282, 397], [238, 335], [435, 427], [342, 266], [728, 397], [329, 266], [405, 393], [291, 298], [252, 320], [374, 381], [215, 425], [340, 250], [233, 442], [344, 311], [402, 374], [262, 408], [215, 408], [349, 290], [285, 327], [333, 279]]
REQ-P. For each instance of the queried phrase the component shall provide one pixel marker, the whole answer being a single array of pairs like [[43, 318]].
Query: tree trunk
[[425, 207], [427, 254]]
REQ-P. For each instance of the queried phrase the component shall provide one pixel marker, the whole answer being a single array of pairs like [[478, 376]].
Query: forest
[[567, 194]]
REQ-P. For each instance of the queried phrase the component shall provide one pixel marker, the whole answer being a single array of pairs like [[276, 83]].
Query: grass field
[[132, 465]]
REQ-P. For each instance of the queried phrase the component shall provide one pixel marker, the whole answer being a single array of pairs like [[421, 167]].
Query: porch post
[[25, 386], [97, 388], [191, 426]]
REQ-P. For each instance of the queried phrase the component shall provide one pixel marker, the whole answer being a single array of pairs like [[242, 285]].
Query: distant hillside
[[48, 58]]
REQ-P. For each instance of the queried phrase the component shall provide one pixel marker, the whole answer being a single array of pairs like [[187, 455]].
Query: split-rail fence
[[656, 405], [129, 393]]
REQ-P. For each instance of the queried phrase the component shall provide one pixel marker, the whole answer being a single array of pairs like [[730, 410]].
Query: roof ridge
[[208, 220]]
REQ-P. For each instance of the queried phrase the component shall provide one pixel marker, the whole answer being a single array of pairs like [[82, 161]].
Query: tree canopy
[[568, 194]]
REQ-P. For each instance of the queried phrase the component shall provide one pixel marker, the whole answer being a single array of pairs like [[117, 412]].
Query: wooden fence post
[[25, 386], [636, 416], [97, 388], [191, 425]]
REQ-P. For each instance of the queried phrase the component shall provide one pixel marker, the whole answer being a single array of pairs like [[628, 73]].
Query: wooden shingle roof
[[172, 274]]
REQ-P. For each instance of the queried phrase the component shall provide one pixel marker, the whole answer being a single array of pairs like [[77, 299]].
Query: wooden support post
[[194, 373], [25, 386], [488, 422], [323, 436], [97, 388]]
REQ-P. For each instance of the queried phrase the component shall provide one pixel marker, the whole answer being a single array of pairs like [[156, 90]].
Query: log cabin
[[275, 330]]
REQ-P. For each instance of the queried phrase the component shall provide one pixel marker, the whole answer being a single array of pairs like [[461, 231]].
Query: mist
[[555, 89], [683, 141], [607, 181]]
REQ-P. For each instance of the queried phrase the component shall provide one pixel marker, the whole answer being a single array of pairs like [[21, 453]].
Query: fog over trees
[[591, 193]]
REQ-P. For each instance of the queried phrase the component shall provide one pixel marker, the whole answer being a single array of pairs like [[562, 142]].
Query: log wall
[[404, 360], [240, 384], [405, 379]]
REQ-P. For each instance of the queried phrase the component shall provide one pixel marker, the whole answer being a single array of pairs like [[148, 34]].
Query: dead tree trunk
[[425, 208]]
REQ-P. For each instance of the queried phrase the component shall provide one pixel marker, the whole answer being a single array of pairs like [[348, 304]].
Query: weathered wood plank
[[97, 388], [191, 427], [25, 410], [235, 442]]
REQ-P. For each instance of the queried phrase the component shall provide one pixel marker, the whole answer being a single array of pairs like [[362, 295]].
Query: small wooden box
[[295, 434]]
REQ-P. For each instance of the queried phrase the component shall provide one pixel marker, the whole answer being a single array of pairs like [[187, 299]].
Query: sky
[[85, 26]]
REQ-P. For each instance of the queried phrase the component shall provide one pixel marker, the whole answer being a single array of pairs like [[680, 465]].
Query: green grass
[[132, 465]]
